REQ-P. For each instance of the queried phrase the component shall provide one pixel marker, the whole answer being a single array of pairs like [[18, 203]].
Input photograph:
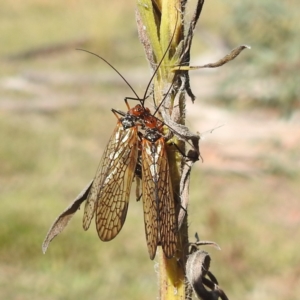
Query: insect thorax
[[152, 135], [128, 121]]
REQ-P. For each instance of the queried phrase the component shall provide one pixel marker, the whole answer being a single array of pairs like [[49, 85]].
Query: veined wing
[[110, 191], [168, 228], [158, 201], [150, 204]]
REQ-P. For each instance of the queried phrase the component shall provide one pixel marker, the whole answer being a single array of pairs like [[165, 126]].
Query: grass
[[53, 131]]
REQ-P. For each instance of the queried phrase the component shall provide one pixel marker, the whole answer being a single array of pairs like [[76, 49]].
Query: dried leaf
[[64, 218], [227, 58]]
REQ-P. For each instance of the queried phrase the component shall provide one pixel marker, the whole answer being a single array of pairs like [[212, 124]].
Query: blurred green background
[[55, 121]]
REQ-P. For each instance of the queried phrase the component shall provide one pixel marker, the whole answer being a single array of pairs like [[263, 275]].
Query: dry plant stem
[[160, 27]]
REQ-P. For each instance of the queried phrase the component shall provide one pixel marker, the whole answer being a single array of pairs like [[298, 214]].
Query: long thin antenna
[[142, 100], [128, 84], [160, 63], [166, 95]]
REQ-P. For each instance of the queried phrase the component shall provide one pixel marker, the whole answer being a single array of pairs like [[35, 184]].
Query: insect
[[108, 197], [158, 201], [109, 194]]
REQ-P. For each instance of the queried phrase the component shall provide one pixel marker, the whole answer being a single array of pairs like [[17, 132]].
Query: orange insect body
[[109, 194], [158, 201]]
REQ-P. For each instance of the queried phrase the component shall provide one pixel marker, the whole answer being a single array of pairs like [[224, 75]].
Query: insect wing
[[149, 188], [110, 191], [158, 200], [101, 173], [112, 208], [167, 213]]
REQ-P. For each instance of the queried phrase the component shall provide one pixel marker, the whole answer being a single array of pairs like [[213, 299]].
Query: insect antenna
[[108, 63], [142, 100], [164, 98], [160, 63]]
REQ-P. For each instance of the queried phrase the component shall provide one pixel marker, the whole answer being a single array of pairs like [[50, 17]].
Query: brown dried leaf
[[64, 218]]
